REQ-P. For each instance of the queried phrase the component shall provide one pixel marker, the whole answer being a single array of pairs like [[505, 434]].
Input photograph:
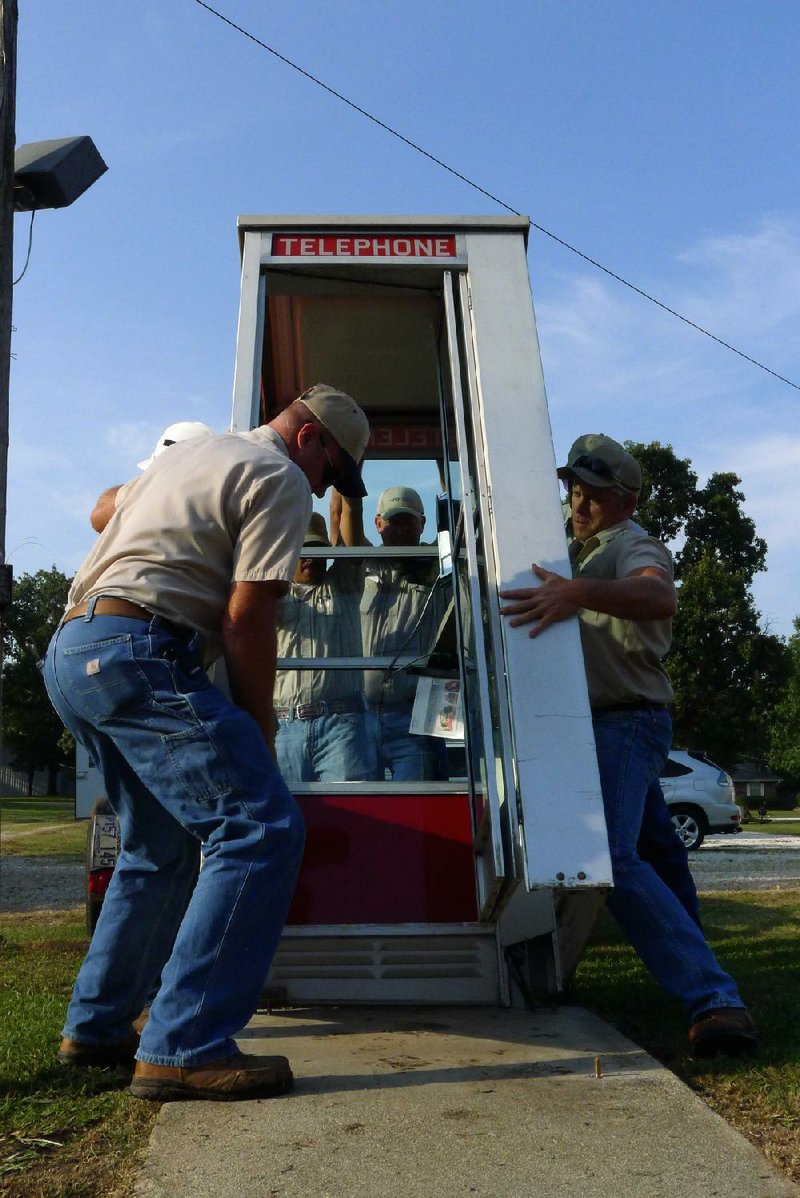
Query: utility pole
[[8, 114], [8, 92]]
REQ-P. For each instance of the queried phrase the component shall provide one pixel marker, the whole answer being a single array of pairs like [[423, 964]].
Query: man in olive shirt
[[623, 594], [191, 565]]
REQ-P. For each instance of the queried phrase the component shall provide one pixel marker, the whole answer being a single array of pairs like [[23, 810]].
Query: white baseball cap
[[184, 430], [395, 500]]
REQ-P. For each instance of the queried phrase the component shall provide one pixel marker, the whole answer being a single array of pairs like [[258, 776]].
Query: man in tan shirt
[[322, 734], [622, 592], [191, 565]]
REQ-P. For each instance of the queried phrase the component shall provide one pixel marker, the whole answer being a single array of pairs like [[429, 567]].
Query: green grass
[[22, 811], [775, 826], [21, 818], [776, 822], [755, 937], [63, 1133]]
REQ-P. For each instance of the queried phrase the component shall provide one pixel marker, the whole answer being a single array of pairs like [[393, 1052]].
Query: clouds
[[749, 283], [617, 364]]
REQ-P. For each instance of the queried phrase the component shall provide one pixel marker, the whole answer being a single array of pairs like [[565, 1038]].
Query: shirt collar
[[264, 435]]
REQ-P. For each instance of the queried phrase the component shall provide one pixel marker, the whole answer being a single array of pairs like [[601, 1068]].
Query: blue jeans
[[186, 771], [631, 750], [330, 748], [408, 757], [661, 846]]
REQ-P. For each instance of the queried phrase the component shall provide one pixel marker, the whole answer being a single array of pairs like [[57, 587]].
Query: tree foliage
[[716, 525], [668, 491], [784, 755], [728, 673], [31, 729]]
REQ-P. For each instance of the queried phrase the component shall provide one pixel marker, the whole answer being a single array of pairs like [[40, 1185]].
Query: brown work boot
[[99, 1056], [728, 1030], [239, 1076]]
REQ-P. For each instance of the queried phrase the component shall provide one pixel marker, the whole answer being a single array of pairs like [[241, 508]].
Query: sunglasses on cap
[[596, 465]]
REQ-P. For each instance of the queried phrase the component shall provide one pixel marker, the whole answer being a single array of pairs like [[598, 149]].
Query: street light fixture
[[53, 174]]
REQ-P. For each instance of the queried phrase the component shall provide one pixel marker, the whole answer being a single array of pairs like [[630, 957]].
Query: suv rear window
[[674, 769]]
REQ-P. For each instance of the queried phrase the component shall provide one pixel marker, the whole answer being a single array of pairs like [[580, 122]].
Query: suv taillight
[[99, 880]]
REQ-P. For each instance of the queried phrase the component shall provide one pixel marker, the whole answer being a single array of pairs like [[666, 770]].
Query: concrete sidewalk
[[439, 1102]]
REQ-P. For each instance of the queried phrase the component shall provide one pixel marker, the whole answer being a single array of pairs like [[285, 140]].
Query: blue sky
[[659, 138]]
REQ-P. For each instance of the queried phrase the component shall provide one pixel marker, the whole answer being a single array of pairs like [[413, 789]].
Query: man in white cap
[[623, 594], [322, 735], [401, 611], [193, 564], [183, 430]]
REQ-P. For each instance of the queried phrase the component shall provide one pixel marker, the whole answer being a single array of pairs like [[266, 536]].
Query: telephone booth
[[468, 868]]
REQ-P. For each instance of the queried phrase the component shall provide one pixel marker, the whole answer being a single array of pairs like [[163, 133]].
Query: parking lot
[[748, 861]]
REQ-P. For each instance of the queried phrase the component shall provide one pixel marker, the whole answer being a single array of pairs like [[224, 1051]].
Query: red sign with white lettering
[[405, 436], [363, 245]]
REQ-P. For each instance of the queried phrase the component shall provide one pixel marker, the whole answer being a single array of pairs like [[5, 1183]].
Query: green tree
[[784, 748], [716, 524], [726, 670], [31, 729], [668, 491]]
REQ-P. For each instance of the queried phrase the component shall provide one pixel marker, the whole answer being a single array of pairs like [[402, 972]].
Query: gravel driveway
[[40, 883], [750, 861]]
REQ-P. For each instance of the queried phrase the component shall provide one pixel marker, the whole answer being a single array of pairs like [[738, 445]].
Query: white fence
[[15, 782]]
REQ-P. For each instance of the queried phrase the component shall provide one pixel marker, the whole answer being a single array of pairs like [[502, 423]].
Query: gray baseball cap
[[602, 462], [317, 533]]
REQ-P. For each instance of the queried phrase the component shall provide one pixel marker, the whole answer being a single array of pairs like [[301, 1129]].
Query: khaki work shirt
[[321, 621], [623, 658], [206, 513], [395, 596]]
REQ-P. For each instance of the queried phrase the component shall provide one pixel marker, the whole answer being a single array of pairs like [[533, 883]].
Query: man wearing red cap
[[623, 594]]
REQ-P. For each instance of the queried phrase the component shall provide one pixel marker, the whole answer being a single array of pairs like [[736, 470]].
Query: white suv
[[700, 797]]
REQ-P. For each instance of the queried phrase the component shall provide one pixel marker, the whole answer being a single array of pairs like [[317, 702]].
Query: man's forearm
[[642, 597], [647, 595], [250, 657]]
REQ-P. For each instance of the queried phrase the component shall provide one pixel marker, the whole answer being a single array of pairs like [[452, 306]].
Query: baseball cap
[[184, 430], [400, 499], [349, 427], [317, 533], [602, 462]]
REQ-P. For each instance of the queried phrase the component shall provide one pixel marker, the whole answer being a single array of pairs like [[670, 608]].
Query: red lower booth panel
[[386, 859]]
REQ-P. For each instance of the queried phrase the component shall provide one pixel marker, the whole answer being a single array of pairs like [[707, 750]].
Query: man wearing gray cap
[[192, 565], [401, 610], [623, 594]]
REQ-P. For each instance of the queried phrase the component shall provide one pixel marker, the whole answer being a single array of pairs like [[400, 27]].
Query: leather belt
[[312, 711], [108, 605]]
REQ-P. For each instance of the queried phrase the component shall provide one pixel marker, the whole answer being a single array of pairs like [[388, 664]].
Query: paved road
[[749, 861]]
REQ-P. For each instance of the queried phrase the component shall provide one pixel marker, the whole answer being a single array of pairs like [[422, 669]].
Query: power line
[[489, 195]]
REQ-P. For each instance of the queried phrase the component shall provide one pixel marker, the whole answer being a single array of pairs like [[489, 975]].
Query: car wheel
[[689, 825]]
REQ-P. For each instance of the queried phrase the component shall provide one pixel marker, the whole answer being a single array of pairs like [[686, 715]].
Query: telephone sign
[[315, 245]]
